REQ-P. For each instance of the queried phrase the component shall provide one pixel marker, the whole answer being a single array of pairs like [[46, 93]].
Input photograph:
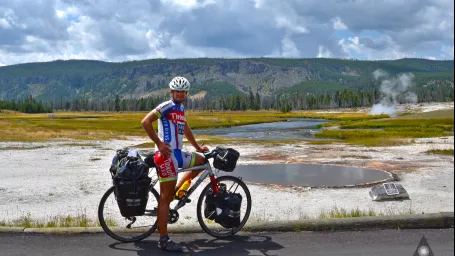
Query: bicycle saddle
[[149, 158]]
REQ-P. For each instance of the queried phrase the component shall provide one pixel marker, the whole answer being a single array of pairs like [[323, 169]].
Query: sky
[[119, 30]]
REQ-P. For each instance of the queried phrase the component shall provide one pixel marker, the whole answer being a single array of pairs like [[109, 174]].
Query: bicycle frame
[[208, 172]]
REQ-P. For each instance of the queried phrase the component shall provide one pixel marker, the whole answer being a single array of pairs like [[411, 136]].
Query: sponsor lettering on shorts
[[167, 169]]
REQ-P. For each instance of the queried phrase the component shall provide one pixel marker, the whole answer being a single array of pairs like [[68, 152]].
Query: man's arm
[[148, 127], [191, 139]]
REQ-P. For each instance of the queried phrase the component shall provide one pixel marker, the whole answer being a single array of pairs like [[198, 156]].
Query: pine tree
[[117, 103], [251, 101], [257, 102], [243, 104]]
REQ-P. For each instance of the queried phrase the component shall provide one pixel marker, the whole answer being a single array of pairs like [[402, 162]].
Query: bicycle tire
[[200, 203], [112, 233]]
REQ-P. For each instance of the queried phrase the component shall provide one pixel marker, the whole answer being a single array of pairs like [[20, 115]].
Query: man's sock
[[164, 238]]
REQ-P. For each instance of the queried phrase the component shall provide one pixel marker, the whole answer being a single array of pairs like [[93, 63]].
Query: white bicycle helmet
[[179, 83]]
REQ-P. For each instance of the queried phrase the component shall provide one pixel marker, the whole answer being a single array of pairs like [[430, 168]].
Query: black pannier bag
[[119, 156], [132, 184], [210, 202], [210, 205], [226, 160], [228, 209]]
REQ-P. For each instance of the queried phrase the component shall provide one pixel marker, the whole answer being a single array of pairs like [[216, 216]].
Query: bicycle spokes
[[233, 186]]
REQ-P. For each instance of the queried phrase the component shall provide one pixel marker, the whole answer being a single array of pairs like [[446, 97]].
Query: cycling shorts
[[168, 166]]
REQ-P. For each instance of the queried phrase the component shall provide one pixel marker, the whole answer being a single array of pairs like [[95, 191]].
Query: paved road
[[386, 242]]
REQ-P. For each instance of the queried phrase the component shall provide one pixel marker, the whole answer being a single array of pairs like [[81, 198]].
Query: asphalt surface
[[379, 242]]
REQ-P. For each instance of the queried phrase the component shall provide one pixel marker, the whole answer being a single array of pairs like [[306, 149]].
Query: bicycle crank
[[173, 216], [132, 219]]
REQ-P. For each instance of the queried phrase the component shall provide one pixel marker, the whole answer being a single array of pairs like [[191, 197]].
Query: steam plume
[[394, 90]]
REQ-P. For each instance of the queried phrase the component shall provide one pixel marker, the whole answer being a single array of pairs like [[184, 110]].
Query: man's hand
[[203, 149], [165, 148]]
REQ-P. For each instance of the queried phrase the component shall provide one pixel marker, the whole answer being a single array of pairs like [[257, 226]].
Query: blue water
[[291, 129], [308, 175]]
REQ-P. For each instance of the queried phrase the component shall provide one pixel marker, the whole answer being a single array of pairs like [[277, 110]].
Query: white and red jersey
[[171, 123]]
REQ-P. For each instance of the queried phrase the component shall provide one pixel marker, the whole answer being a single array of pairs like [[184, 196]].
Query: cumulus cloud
[[41, 30], [338, 24], [4, 24], [378, 49]]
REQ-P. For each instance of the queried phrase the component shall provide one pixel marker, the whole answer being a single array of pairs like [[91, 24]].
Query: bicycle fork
[[214, 184]]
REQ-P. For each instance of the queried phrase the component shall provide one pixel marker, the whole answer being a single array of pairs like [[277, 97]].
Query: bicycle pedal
[[181, 199]]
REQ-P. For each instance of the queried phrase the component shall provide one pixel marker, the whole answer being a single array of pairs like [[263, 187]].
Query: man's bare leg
[[166, 196], [199, 160]]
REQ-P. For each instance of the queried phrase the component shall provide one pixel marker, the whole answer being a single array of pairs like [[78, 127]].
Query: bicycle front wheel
[[234, 185], [129, 229]]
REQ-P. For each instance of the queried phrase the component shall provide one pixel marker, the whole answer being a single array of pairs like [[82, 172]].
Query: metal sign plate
[[391, 189]]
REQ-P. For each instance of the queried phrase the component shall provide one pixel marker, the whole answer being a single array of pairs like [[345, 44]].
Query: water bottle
[[181, 192]]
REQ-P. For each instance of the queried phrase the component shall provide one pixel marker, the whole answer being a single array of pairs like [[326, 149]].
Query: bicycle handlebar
[[210, 154]]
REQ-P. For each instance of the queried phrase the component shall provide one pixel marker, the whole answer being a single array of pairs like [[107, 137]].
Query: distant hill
[[75, 79]]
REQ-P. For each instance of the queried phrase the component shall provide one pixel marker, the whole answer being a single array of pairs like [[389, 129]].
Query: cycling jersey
[[171, 123]]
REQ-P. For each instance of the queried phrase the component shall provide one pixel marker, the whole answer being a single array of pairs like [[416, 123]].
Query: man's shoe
[[170, 246]]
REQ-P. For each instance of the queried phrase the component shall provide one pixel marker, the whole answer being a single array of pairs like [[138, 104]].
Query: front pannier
[[226, 160]]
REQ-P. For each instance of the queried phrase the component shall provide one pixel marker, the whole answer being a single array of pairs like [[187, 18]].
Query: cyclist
[[172, 126]]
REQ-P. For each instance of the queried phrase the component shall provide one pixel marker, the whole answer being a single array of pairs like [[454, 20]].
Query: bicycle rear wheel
[[235, 185], [130, 229]]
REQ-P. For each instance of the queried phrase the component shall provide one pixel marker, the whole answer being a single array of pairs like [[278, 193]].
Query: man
[[172, 126]]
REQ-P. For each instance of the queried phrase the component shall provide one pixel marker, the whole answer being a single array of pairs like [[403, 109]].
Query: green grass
[[407, 132], [323, 142], [21, 148], [339, 213], [445, 124], [446, 152], [390, 131], [101, 126], [448, 113], [28, 221], [379, 142]]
